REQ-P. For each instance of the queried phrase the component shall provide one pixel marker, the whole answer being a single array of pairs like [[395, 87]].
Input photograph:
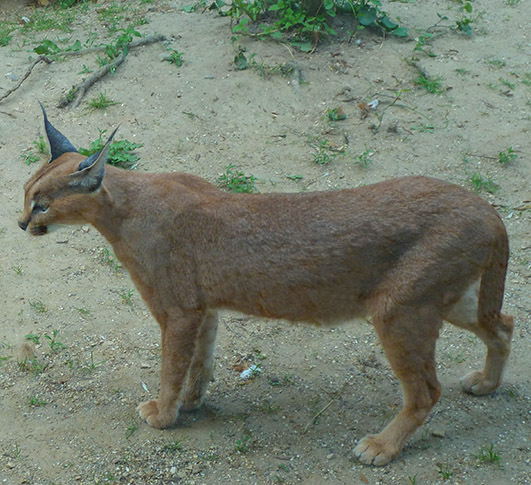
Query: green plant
[[100, 102], [507, 157], [364, 159], [5, 30], [49, 19], [424, 128], [242, 62], [336, 114], [120, 45], [34, 401], [16, 452], [110, 16], [430, 84], [506, 83], [31, 364], [85, 70], [130, 430], [323, 151], [307, 20], [422, 44], [18, 270], [33, 337], [481, 183], [489, 455], [126, 296], [444, 471], [496, 62], [463, 24], [120, 152], [55, 345], [459, 357], [242, 446], [108, 258], [173, 446], [83, 311], [41, 145], [285, 380], [92, 365], [38, 306], [200, 4], [234, 180], [174, 57], [70, 3], [295, 178], [30, 158], [322, 157], [50, 48]]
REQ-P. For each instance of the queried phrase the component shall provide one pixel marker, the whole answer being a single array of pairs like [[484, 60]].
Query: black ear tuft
[[59, 144]]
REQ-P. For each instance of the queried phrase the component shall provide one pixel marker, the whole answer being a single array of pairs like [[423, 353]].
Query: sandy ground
[[68, 414]]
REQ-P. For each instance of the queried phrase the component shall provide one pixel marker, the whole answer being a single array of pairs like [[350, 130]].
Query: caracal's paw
[[149, 411], [372, 450], [477, 383]]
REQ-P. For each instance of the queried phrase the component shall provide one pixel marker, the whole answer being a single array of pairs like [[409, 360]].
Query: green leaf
[[75, 47], [241, 61], [241, 26], [468, 7], [303, 46], [367, 15], [400, 32], [387, 24], [330, 7], [47, 48]]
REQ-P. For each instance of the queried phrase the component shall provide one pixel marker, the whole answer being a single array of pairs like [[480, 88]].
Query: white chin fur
[[52, 228]]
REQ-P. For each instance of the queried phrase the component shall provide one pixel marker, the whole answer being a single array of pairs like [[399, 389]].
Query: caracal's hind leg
[[408, 338], [201, 371], [494, 329], [179, 331]]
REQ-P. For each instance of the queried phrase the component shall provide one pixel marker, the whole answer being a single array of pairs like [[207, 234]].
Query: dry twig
[[75, 95], [28, 72], [316, 416]]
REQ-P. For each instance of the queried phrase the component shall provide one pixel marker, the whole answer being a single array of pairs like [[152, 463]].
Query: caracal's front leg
[[179, 331], [201, 371]]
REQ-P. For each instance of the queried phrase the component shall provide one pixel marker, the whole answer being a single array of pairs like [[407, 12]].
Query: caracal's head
[[57, 192]]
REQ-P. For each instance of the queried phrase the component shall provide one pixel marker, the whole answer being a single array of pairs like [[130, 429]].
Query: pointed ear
[[90, 172], [59, 144]]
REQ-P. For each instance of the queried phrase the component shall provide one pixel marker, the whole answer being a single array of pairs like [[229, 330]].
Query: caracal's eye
[[39, 208]]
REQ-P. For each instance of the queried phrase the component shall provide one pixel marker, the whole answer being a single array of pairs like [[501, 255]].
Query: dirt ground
[[68, 411]]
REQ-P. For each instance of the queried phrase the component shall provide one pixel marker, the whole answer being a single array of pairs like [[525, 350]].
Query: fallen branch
[[150, 39], [77, 92], [28, 72]]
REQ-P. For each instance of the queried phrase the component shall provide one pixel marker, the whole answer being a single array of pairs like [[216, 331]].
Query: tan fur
[[410, 252]]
